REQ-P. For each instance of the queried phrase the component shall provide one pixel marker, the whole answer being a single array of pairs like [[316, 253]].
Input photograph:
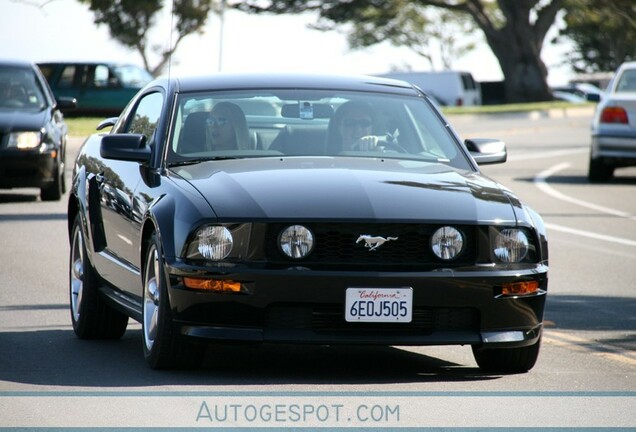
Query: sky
[[58, 30]]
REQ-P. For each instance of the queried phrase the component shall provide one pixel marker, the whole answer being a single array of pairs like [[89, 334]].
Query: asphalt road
[[585, 376]]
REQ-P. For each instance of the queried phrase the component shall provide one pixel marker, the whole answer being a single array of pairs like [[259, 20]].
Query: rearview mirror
[[307, 110]]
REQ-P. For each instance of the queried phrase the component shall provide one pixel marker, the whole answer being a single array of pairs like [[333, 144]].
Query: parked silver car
[[614, 126]]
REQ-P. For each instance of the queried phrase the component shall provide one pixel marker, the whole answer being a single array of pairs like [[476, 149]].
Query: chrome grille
[[335, 245]]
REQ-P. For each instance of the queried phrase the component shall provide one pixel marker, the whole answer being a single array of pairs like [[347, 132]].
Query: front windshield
[[19, 89], [302, 122]]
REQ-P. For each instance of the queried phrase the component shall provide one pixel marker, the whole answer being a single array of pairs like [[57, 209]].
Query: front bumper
[[304, 306], [27, 168]]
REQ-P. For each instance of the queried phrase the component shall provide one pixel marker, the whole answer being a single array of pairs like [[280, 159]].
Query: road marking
[[541, 183], [543, 155], [540, 180], [591, 235], [596, 348]]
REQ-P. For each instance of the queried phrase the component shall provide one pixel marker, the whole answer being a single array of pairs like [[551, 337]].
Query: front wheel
[[54, 190], [163, 347], [507, 360], [91, 316]]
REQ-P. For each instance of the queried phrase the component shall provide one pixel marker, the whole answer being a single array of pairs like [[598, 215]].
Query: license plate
[[379, 305]]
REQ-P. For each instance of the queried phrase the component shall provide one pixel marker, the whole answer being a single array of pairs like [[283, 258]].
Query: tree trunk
[[517, 45], [525, 74]]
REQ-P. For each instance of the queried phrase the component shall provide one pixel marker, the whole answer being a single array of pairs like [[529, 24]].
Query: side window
[[47, 71], [146, 116], [67, 77], [100, 79], [469, 82]]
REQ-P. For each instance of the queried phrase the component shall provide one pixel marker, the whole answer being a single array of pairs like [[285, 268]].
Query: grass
[[84, 126], [513, 108]]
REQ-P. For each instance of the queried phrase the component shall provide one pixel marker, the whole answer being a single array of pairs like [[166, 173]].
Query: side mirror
[[65, 103], [487, 151], [125, 147], [593, 97]]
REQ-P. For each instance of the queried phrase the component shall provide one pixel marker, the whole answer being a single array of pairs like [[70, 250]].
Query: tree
[[515, 30], [604, 34], [130, 20], [405, 23]]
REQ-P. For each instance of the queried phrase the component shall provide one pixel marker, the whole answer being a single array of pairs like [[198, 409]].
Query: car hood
[[347, 188], [13, 120]]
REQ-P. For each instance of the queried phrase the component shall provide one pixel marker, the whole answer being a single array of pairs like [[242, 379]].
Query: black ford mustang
[[305, 209]]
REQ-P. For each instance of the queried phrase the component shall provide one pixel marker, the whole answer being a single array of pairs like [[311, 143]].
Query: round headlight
[[447, 243], [296, 241], [511, 245], [214, 242]]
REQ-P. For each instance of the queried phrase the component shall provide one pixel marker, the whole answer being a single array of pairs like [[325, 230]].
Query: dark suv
[[99, 88]]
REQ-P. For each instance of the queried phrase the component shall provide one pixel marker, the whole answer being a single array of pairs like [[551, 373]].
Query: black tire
[[54, 190], [91, 316], [163, 347], [507, 360], [598, 171]]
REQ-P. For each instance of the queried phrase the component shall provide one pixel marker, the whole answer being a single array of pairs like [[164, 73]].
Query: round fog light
[[296, 241], [447, 242]]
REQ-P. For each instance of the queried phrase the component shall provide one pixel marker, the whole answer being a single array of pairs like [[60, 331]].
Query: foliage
[[399, 22], [129, 22], [604, 34], [406, 23], [514, 29]]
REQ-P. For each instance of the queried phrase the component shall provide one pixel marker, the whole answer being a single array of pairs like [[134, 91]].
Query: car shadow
[[32, 217], [610, 316], [54, 357], [571, 311], [9, 198], [618, 179]]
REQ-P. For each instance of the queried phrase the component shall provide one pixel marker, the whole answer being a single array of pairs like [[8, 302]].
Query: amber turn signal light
[[215, 285], [520, 288]]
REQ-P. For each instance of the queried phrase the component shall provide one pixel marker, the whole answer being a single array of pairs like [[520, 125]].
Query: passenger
[[5, 91], [351, 128], [18, 93], [227, 128]]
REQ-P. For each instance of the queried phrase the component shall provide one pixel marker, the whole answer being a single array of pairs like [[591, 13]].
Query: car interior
[[293, 126]]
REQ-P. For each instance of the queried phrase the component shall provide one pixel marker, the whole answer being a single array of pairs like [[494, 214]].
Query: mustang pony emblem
[[374, 242]]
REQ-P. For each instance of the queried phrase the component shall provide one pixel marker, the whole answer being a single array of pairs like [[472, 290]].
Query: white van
[[452, 88]]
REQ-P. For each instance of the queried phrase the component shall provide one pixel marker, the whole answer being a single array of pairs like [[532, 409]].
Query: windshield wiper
[[199, 160]]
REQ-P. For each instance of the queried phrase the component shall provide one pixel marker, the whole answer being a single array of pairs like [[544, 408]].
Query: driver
[[354, 123], [5, 91]]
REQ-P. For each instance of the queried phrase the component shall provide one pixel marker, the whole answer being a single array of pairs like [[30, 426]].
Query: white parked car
[[451, 88], [614, 126]]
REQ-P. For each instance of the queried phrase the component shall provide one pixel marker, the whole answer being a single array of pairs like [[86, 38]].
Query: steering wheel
[[392, 146]]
